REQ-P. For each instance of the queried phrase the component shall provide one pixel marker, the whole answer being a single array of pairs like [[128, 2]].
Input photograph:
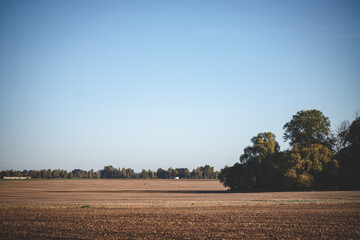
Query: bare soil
[[170, 209]]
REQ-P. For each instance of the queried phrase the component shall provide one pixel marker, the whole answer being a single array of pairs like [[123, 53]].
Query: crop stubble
[[172, 209]]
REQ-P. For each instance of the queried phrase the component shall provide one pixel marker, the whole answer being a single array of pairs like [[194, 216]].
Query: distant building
[[19, 178]]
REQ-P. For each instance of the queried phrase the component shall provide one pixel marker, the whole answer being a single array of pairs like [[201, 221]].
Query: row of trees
[[317, 158], [48, 173], [202, 172]]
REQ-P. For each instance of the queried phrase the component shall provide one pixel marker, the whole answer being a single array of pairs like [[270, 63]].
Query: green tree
[[341, 134], [198, 173], [56, 173], [110, 172], [349, 157], [172, 173], [258, 161], [78, 173], [161, 173], [308, 127], [63, 174], [234, 177], [130, 173], [263, 145], [208, 172], [193, 173], [122, 173], [143, 174], [310, 167], [48, 173], [91, 174], [151, 174], [258, 168], [183, 172]]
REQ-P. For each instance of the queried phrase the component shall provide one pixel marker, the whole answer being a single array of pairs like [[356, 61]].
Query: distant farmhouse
[[20, 178]]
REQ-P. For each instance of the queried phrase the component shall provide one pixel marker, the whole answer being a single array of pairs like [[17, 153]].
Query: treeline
[[202, 172], [317, 158], [48, 173]]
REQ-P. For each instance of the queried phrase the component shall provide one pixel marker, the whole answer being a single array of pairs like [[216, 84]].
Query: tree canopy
[[263, 144], [349, 157], [310, 163], [258, 164], [308, 127]]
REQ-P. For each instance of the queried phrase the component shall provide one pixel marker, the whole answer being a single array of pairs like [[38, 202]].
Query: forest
[[317, 158], [201, 172]]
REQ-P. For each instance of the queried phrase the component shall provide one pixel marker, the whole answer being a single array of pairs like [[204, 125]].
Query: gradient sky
[[150, 84]]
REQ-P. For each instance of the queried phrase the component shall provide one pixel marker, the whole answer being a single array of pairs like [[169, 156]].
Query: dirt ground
[[170, 209]]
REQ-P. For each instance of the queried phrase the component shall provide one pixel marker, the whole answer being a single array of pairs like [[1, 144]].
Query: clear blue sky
[[150, 84]]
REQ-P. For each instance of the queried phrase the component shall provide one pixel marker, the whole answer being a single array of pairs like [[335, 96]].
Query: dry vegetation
[[172, 209]]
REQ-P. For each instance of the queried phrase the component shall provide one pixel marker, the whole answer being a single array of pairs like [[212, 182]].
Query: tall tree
[[308, 127], [208, 172], [56, 173], [258, 168], [161, 173], [349, 157], [199, 172], [310, 167], [91, 174], [172, 173], [234, 177], [263, 144], [183, 172], [143, 174], [110, 172], [341, 134]]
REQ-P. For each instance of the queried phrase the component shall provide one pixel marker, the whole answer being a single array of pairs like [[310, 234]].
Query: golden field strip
[[170, 209]]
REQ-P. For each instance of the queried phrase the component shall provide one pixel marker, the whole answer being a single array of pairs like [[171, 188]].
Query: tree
[[258, 168], [143, 174], [341, 133], [310, 167], [234, 177], [183, 172], [354, 132], [43, 173], [63, 174], [130, 173], [56, 173], [91, 174], [208, 172], [193, 174], [349, 157], [258, 161], [172, 173], [161, 173], [263, 144], [34, 174], [48, 173], [122, 173], [110, 172], [198, 173], [151, 174], [308, 127], [78, 173]]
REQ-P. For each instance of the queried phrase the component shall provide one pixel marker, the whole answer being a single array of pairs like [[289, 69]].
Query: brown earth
[[170, 209]]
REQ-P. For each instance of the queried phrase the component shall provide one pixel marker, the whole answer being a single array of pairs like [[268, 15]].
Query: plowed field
[[170, 209]]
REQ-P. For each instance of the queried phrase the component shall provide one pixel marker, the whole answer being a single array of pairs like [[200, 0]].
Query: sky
[[159, 84]]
